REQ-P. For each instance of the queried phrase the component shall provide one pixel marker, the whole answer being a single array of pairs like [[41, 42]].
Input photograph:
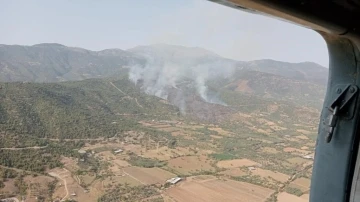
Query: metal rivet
[[352, 90], [338, 90]]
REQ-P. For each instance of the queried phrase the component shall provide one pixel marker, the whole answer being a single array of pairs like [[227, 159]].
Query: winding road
[[65, 183]]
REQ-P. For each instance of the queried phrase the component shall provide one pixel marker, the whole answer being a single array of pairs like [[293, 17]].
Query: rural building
[[118, 151], [174, 180], [82, 151], [251, 168], [308, 156]]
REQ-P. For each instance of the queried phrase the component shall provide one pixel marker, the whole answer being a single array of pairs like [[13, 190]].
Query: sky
[[124, 24]]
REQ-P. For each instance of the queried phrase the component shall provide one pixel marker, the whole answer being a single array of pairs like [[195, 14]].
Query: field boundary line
[[134, 177]]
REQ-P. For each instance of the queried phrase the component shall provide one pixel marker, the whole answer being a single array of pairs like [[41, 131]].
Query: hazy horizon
[[97, 26], [161, 44]]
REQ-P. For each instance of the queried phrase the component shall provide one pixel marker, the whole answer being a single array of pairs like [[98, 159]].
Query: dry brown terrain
[[270, 174], [86, 179], [302, 137], [120, 163], [269, 150], [305, 132], [191, 164], [285, 197], [216, 136], [296, 151], [306, 197], [9, 187], [102, 146], [123, 179], [221, 131], [234, 172], [236, 163], [165, 153], [301, 183], [192, 127], [70, 163], [148, 175], [37, 186], [215, 190], [67, 186], [106, 155], [297, 161], [187, 160]]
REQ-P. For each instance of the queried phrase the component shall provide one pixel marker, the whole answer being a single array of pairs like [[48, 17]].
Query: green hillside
[[81, 109]]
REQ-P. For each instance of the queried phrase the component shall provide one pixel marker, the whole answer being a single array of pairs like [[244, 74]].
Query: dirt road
[[65, 183], [138, 104], [291, 179], [23, 148]]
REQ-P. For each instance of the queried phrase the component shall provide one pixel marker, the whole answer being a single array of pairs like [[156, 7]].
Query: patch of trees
[[31, 160], [222, 156], [84, 109], [255, 179], [7, 173], [294, 191], [145, 162], [10, 140], [37, 160], [21, 185], [128, 194]]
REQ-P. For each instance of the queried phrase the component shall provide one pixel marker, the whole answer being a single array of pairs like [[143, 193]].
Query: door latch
[[341, 108]]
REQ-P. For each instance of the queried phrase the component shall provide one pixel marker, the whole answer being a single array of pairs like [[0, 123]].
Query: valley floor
[[214, 164]]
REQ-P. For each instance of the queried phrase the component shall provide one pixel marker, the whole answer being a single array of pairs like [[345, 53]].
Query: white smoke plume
[[166, 71]]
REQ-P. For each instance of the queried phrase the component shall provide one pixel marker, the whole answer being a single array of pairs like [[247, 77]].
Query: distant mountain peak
[[49, 45], [174, 49], [271, 61], [112, 51]]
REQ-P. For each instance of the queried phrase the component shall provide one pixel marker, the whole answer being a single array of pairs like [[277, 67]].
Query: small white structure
[[174, 180], [251, 168], [73, 194], [82, 151], [118, 151], [308, 156]]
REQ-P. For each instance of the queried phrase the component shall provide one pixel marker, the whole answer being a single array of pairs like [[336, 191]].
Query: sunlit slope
[[81, 109], [56, 62]]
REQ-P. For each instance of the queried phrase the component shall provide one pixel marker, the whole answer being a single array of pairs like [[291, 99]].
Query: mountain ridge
[[128, 53]]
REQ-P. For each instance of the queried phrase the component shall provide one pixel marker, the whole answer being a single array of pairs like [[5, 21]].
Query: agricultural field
[[285, 197], [37, 186], [253, 164], [234, 172], [187, 165], [270, 174], [78, 187], [122, 179], [236, 163], [302, 184], [249, 137], [214, 190], [148, 175]]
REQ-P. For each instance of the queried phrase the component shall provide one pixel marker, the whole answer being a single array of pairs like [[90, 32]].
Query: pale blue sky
[[124, 24]]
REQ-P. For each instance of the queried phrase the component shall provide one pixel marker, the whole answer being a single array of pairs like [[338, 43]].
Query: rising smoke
[[168, 70]]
